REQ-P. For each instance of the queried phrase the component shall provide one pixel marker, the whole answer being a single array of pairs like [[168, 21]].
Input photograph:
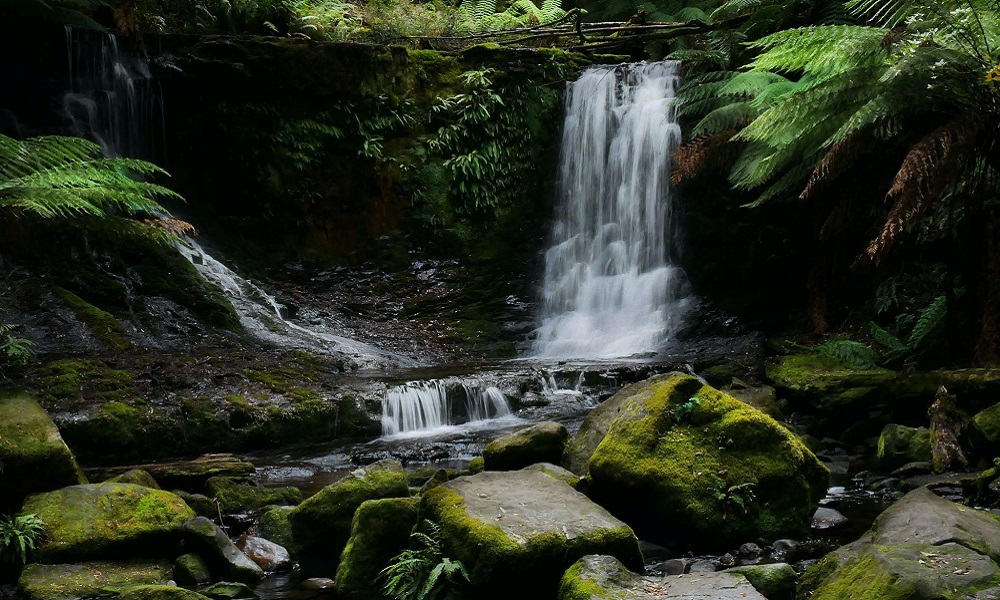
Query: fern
[[18, 537], [64, 177], [849, 352], [423, 572]]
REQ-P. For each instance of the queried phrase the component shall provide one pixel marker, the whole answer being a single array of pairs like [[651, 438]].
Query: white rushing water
[[610, 289], [430, 406], [264, 317]]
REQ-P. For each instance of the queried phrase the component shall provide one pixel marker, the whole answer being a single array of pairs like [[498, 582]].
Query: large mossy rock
[[605, 577], [233, 495], [899, 445], [984, 432], [540, 443], [221, 554], [274, 525], [514, 527], [381, 530], [684, 462], [33, 454], [90, 579], [323, 522], [826, 382], [921, 548], [108, 520]]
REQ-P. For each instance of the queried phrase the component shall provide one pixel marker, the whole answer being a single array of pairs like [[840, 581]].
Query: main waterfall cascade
[[610, 288]]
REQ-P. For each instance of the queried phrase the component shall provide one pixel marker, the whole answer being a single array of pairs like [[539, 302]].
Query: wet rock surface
[[606, 577]]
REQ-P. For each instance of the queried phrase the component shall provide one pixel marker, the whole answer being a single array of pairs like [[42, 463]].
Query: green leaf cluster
[[423, 572], [19, 535]]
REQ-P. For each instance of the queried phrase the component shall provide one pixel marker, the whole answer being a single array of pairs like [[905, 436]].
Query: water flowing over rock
[[610, 287], [428, 405]]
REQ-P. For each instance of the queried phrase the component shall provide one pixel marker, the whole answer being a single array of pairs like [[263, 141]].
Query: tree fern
[[64, 178]]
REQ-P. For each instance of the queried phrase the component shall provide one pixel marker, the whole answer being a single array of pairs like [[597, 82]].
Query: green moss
[[275, 526], [543, 442], [235, 496], [685, 466], [816, 575], [137, 477], [898, 445], [827, 380], [63, 381], [107, 519], [190, 569], [103, 325], [574, 586], [773, 580], [477, 465], [90, 579], [160, 592], [324, 520], [862, 578], [380, 530]]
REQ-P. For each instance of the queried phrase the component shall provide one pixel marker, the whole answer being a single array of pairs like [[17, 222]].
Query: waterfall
[[428, 405], [610, 288], [115, 101], [113, 98]]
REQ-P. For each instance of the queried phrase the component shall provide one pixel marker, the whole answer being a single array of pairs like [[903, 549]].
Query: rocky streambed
[[669, 488]]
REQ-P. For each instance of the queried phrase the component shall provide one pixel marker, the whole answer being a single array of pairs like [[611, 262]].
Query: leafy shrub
[[423, 572], [18, 537]]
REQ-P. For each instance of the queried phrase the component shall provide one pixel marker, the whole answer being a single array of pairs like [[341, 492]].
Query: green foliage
[[928, 327], [18, 537], [15, 352], [423, 572], [685, 409], [65, 178], [484, 15], [78, 13], [739, 495], [849, 352]]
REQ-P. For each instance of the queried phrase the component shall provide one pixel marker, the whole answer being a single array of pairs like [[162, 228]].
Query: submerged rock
[[603, 577], [543, 442], [33, 454], [222, 555], [682, 461], [108, 520], [323, 522], [921, 548], [513, 527], [90, 579], [381, 530]]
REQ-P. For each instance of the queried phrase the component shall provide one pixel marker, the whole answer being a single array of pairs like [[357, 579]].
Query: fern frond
[[692, 158], [821, 50], [928, 169], [731, 116], [930, 319], [837, 160]]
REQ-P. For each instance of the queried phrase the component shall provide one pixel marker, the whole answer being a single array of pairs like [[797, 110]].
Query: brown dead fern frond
[[693, 157], [838, 159], [928, 170], [174, 226]]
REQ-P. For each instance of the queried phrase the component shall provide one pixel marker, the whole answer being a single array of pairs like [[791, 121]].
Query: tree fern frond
[[821, 50], [927, 170], [691, 158], [837, 160], [728, 117], [930, 318]]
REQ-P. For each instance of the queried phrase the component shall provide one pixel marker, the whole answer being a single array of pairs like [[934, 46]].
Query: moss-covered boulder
[[108, 520], [138, 477], [921, 548], [33, 454], [543, 442], [233, 495], [185, 474], [225, 590], [191, 569], [984, 432], [775, 581], [605, 577], [160, 592], [323, 522], [274, 525], [685, 462], [90, 579], [513, 527], [223, 557], [899, 445], [381, 530], [826, 382], [557, 472]]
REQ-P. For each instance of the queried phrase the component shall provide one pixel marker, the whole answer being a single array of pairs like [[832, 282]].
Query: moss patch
[[90, 579], [236, 496], [108, 520], [381, 529], [103, 325]]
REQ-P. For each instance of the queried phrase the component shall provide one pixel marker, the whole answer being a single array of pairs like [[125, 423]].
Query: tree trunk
[[946, 423]]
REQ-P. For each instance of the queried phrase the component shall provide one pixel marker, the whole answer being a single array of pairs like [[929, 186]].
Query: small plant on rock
[[18, 537], [684, 410], [423, 572]]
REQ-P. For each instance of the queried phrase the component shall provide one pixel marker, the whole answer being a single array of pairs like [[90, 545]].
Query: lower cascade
[[428, 405], [610, 287]]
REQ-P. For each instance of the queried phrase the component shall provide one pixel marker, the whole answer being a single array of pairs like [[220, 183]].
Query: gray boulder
[[921, 548], [269, 556], [539, 443], [602, 577], [511, 527], [223, 557]]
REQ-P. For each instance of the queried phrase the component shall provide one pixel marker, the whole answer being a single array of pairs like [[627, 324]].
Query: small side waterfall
[[610, 288], [429, 405], [113, 98]]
